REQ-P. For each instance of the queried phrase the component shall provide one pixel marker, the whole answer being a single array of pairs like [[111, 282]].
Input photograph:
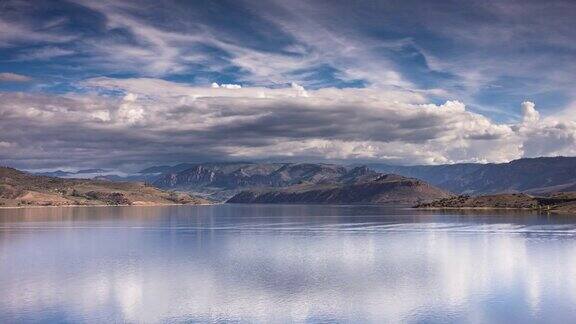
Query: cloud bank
[[127, 123]]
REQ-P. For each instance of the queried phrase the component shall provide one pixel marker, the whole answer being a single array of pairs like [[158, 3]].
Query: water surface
[[264, 263]]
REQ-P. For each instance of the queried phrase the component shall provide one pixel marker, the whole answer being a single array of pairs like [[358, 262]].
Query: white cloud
[[529, 114], [16, 32], [129, 111], [159, 49], [44, 53], [352, 54], [154, 52], [226, 86], [299, 89], [13, 77]]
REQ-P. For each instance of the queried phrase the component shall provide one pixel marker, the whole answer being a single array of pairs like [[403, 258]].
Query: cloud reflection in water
[[283, 264]]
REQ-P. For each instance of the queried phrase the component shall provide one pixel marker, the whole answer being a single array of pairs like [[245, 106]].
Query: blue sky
[[489, 55]]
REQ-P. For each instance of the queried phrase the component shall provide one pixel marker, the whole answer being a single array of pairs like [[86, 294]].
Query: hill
[[19, 188], [366, 188], [557, 202]]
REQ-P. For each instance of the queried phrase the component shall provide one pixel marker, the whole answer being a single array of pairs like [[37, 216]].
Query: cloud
[[503, 45], [275, 82], [310, 52], [44, 53], [157, 121], [13, 77], [486, 54], [326, 42], [529, 114], [226, 86], [21, 31], [129, 111]]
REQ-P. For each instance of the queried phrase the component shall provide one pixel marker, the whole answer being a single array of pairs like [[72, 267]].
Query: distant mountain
[[367, 188], [283, 182], [323, 183], [86, 173], [534, 175], [19, 188], [223, 180], [56, 173], [91, 171], [156, 169]]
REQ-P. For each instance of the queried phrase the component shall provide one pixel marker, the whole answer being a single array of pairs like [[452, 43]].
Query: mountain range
[[322, 182], [531, 175], [85, 173], [246, 182]]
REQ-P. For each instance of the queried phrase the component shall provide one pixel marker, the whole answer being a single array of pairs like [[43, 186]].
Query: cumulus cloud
[[13, 77], [529, 113], [157, 121], [226, 86], [129, 111]]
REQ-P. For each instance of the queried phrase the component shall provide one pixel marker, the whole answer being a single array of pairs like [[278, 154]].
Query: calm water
[[257, 263]]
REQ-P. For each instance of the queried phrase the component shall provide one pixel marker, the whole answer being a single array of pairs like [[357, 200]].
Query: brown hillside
[[19, 188]]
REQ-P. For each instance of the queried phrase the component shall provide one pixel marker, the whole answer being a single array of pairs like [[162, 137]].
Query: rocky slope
[[18, 188], [558, 202], [223, 180], [366, 188], [536, 176]]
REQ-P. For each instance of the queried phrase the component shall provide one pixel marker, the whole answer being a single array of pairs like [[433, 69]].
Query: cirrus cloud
[[13, 77]]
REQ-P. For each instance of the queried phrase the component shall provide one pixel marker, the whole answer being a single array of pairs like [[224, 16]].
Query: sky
[[128, 84]]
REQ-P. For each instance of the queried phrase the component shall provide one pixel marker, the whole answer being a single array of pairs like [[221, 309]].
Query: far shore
[[541, 210], [477, 208], [102, 205], [548, 211]]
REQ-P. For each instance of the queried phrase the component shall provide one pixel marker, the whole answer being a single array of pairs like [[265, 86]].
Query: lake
[[267, 263]]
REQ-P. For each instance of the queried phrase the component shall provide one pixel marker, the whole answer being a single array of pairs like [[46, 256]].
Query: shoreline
[[102, 205], [476, 208], [539, 210], [220, 203]]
